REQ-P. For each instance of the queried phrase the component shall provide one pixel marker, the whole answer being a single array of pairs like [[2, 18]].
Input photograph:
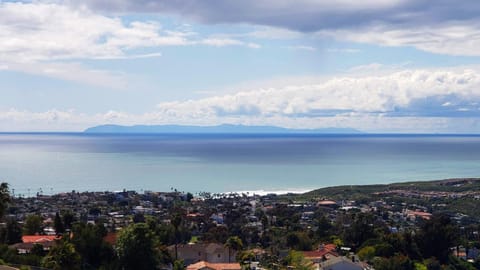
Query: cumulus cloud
[[401, 101], [409, 92], [37, 32], [446, 27], [42, 37], [46, 31]]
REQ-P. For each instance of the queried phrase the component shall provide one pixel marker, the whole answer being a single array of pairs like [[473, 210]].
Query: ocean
[[50, 163]]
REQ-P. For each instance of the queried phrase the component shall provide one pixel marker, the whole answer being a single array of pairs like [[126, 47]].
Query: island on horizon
[[217, 129]]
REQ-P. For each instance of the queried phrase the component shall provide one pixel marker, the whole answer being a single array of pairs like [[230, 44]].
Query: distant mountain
[[215, 129]]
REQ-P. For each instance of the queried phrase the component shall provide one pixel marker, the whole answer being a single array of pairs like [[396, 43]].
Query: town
[[397, 228]]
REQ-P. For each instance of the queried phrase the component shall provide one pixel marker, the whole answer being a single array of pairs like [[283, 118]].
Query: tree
[[62, 256], [176, 221], [397, 262], [4, 198], [37, 250], [218, 234], [33, 225], [323, 227], [298, 261], [12, 233], [235, 243], [384, 250], [88, 241], [189, 196], [436, 236], [138, 218], [68, 219], [360, 230], [135, 247], [179, 265], [299, 241], [433, 264], [367, 253], [58, 224]]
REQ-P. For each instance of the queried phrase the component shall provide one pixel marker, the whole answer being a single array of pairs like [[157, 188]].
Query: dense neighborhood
[[392, 229]]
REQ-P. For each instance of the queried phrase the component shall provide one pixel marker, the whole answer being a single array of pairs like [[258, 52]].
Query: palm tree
[[176, 221], [4, 198], [235, 243]]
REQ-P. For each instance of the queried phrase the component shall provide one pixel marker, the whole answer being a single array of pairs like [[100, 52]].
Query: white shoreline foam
[[262, 192]]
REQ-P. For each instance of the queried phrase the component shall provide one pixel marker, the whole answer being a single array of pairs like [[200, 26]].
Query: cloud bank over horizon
[[407, 100]]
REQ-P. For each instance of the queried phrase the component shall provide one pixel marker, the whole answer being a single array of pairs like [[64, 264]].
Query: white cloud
[[38, 32], [368, 94], [221, 42], [253, 45], [400, 101], [302, 48], [74, 72], [452, 38], [48, 31], [444, 27], [43, 38]]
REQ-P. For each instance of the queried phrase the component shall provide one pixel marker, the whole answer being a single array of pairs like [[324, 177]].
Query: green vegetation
[[136, 248], [276, 231], [62, 256]]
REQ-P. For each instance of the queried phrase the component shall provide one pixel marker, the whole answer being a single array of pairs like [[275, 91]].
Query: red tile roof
[[330, 247], [214, 266], [318, 254], [39, 238]]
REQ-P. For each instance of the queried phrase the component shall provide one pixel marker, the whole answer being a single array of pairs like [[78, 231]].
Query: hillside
[[447, 185], [454, 196]]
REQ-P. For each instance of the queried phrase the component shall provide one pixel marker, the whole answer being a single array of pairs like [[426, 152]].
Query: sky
[[393, 66]]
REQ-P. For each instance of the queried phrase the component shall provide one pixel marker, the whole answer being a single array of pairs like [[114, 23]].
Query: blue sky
[[374, 65]]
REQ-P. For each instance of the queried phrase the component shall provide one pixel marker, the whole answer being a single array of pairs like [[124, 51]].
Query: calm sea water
[[51, 163]]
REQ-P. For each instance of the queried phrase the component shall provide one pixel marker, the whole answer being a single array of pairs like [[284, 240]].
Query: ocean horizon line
[[237, 133]]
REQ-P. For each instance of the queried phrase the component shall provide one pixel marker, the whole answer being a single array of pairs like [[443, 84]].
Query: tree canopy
[[136, 248]]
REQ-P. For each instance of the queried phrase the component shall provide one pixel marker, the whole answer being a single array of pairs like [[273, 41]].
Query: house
[[412, 215], [28, 242], [203, 265], [25, 248], [325, 252], [319, 256], [327, 203], [39, 238], [210, 252], [340, 263]]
